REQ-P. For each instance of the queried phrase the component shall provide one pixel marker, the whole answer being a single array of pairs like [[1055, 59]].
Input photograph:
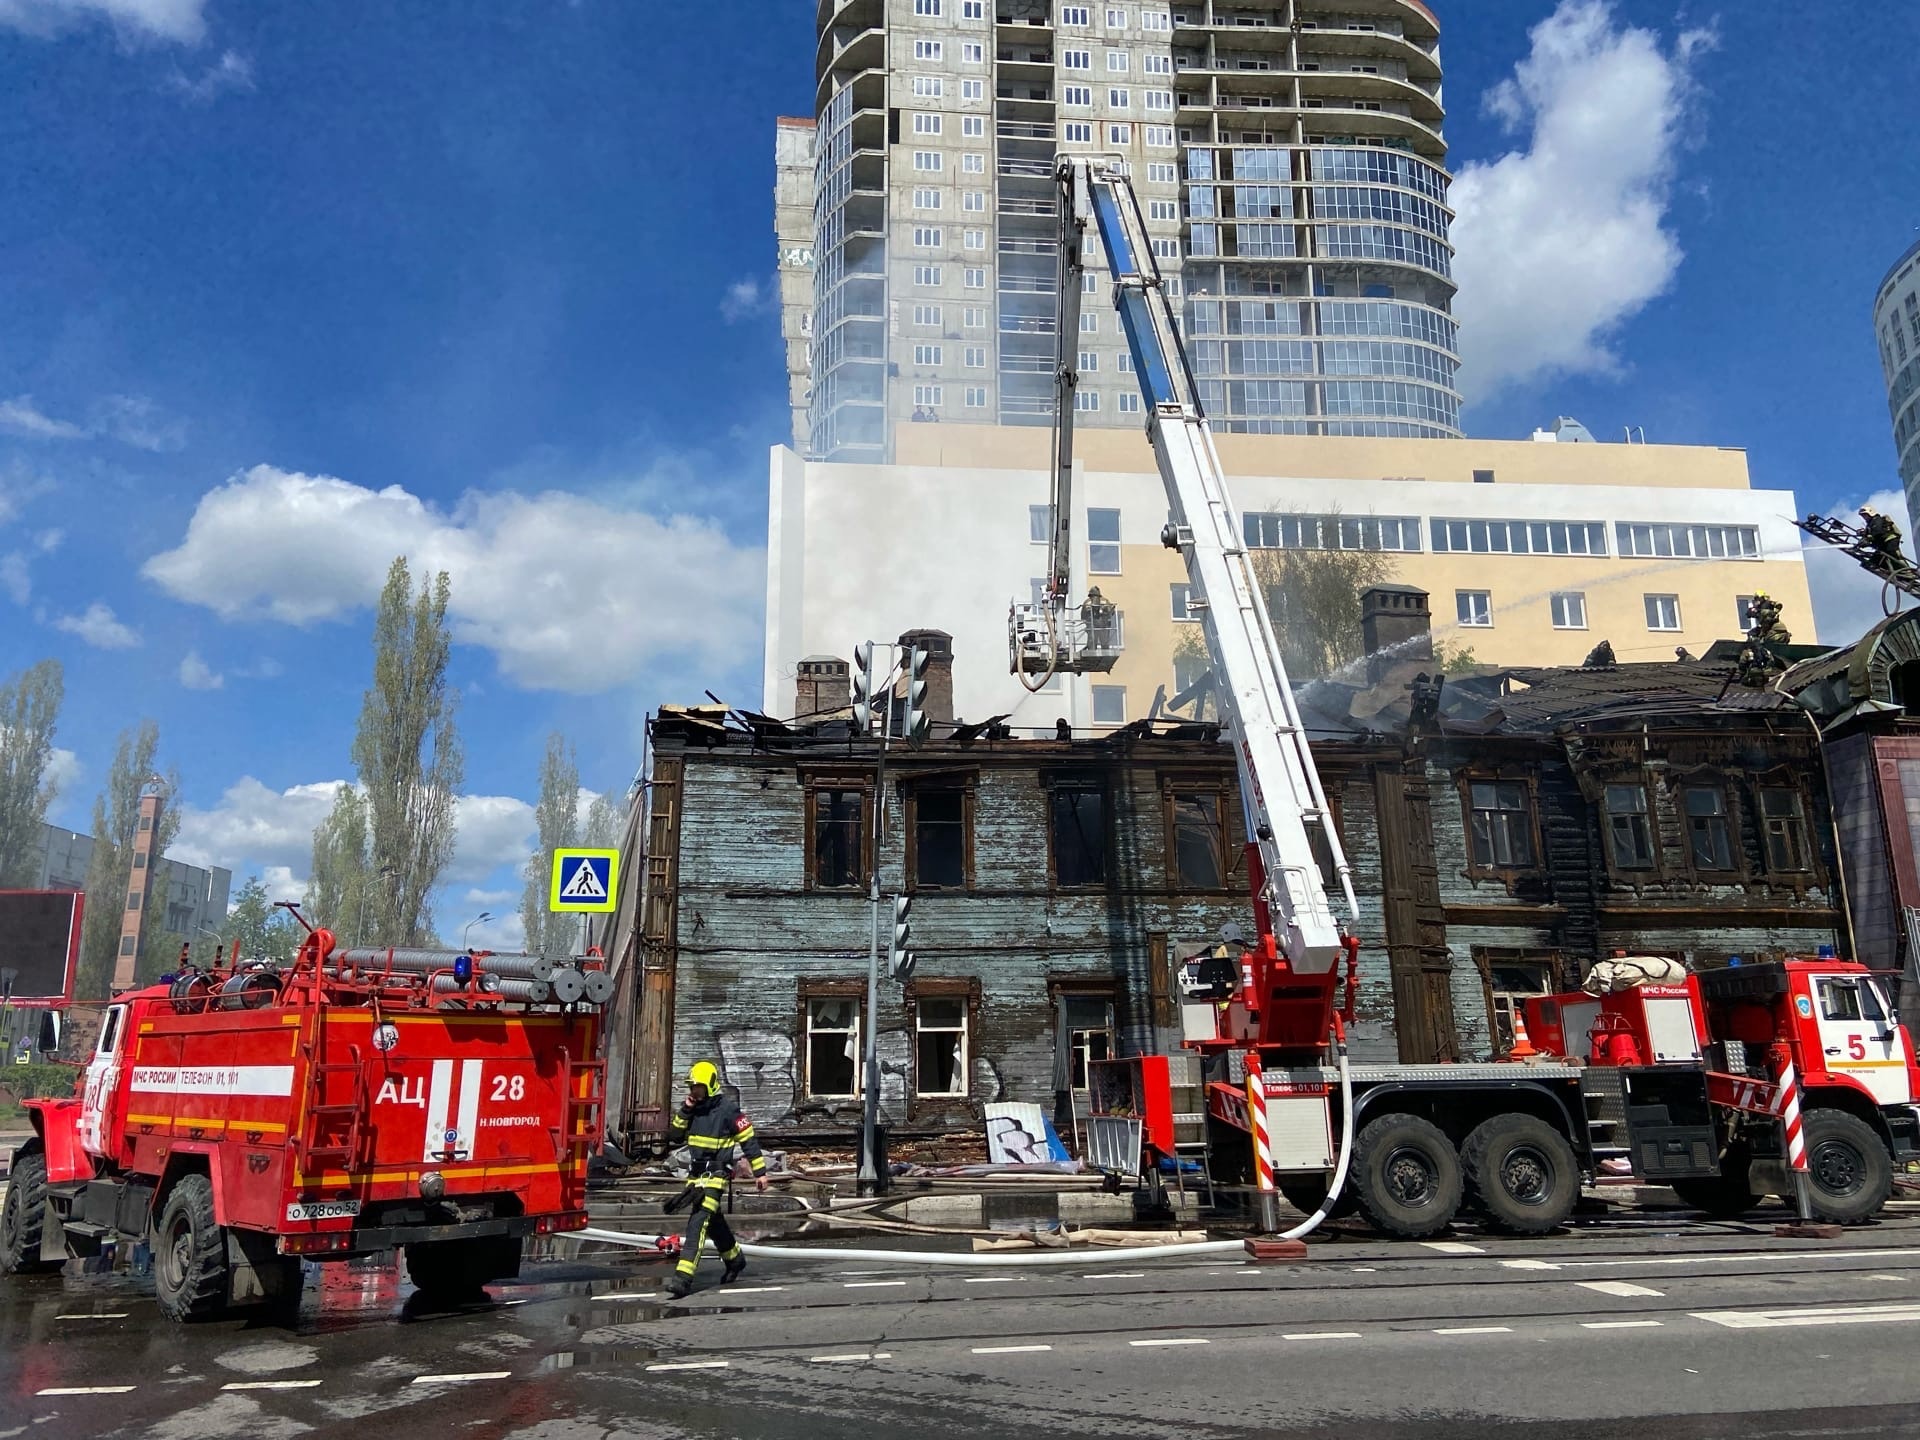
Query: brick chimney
[[1395, 625], [823, 687], [939, 671]]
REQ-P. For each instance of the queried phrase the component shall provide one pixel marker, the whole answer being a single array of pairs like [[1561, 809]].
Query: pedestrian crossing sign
[[584, 881]]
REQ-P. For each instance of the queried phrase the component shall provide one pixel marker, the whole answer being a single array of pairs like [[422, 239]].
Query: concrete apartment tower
[[1896, 320], [1288, 156]]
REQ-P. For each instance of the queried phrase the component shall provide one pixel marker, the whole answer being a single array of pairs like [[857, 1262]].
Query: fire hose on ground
[[1051, 1257]]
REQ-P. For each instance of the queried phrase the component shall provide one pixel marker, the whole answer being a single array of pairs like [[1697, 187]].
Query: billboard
[[39, 946]]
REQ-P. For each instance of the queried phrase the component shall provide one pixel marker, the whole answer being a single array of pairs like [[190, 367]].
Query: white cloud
[[282, 883], [182, 21], [98, 626], [491, 831], [232, 71], [1847, 601], [567, 592], [20, 416], [14, 577], [64, 770], [749, 297], [196, 674], [1560, 243]]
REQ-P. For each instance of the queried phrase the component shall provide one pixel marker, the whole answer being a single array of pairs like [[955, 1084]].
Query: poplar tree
[[342, 880], [557, 818], [29, 710], [408, 757]]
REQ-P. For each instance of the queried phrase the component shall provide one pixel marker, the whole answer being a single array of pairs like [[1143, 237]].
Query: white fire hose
[[1051, 1257]]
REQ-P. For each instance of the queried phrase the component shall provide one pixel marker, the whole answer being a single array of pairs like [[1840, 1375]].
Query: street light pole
[[480, 919], [869, 1179]]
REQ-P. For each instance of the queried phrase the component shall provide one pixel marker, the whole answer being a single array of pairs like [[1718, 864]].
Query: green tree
[[606, 823], [408, 756], [29, 710], [1313, 597], [257, 929], [557, 818], [116, 820], [342, 875]]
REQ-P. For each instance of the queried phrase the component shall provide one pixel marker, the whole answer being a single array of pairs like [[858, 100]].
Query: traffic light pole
[[871, 1180]]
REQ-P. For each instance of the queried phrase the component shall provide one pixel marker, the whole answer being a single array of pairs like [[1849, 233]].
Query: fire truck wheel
[[1725, 1195], [190, 1253], [24, 1218], [1405, 1176], [1852, 1173], [1306, 1197], [1521, 1174]]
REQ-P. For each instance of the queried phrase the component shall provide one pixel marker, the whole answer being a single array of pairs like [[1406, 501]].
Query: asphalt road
[[1643, 1327]]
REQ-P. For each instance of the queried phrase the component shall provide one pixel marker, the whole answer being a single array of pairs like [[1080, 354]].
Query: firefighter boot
[[679, 1287], [734, 1268]]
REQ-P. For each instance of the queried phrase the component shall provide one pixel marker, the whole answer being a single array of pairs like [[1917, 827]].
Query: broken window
[[939, 838], [940, 1055], [1198, 848], [833, 1047], [1501, 824], [1629, 831], [836, 838], [1509, 984], [1709, 838], [1088, 1023], [1785, 823], [1079, 832]]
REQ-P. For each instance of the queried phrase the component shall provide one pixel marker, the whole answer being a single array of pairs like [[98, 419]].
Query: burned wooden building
[[1506, 829]]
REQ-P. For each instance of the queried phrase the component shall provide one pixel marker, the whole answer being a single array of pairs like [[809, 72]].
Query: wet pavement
[[1645, 1326]]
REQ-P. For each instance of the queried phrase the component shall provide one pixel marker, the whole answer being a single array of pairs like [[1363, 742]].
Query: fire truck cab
[[241, 1121]]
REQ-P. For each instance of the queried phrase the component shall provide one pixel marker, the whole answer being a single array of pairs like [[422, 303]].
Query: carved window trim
[[967, 784], [1464, 781], [1095, 781], [1708, 777], [1175, 785], [815, 784], [967, 988], [1486, 957], [1633, 876], [829, 988]]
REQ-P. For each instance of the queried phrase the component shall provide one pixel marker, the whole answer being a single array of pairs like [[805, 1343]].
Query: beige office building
[[1533, 551]]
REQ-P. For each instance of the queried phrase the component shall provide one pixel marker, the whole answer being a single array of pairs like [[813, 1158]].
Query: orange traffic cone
[[1522, 1047]]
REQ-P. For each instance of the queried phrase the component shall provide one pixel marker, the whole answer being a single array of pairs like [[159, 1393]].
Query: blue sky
[[286, 289]]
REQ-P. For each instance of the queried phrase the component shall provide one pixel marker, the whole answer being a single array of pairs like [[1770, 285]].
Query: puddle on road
[[591, 1357]]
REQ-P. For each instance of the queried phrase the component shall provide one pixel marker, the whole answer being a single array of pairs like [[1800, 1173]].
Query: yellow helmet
[[706, 1073]]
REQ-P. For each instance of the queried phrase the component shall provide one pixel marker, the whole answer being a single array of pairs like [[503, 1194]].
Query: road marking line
[[270, 1385], [1825, 1315], [84, 1390], [115, 1315], [1621, 1324], [1529, 1265], [617, 1298], [691, 1365], [1475, 1330], [754, 1289], [1323, 1335], [1754, 1256], [1169, 1340], [991, 1279], [461, 1379], [843, 1359], [871, 1284], [1118, 1275], [1617, 1287], [1453, 1247], [1010, 1349]]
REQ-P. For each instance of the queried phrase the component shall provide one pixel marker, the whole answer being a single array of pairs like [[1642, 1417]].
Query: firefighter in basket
[[712, 1125]]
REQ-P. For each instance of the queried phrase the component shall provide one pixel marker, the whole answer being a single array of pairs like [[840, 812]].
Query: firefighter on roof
[[712, 1125]]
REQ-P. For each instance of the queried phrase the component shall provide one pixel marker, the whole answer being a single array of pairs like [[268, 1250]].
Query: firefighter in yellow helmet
[[711, 1124]]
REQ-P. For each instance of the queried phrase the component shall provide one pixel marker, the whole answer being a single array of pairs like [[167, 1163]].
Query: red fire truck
[[242, 1119]]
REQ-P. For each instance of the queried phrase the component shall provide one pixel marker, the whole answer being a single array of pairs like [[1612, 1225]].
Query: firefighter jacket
[[711, 1130]]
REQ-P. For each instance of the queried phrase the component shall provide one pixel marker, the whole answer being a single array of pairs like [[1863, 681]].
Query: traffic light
[[899, 957], [863, 686], [917, 722]]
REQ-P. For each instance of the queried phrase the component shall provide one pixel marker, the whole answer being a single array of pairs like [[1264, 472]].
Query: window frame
[[809, 990], [1649, 815], [1461, 609], [1494, 869], [1488, 958], [967, 991], [966, 786], [1174, 789], [1648, 602], [1554, 604], [1807, 869], [1093, 567], [1079, 783], [1728, 816], [815, 786]]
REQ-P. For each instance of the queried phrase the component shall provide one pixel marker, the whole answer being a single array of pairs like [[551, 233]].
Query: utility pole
[[870, 1179]]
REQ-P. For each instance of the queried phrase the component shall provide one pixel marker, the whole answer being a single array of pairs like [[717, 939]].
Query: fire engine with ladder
[[1725, 1085], [242, 1119]]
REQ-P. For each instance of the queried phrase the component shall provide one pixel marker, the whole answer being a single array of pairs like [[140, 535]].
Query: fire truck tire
[[23, 1220], [1306, 1196], [1521, 1174], [1406, 1177], [190, 1253], [1725, 1195], [1850, 1170]]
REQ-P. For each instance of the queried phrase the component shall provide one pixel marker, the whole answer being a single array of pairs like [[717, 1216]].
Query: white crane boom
[[1279, 787]]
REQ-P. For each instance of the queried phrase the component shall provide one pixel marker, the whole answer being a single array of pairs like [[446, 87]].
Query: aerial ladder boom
[[1280, 789]]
